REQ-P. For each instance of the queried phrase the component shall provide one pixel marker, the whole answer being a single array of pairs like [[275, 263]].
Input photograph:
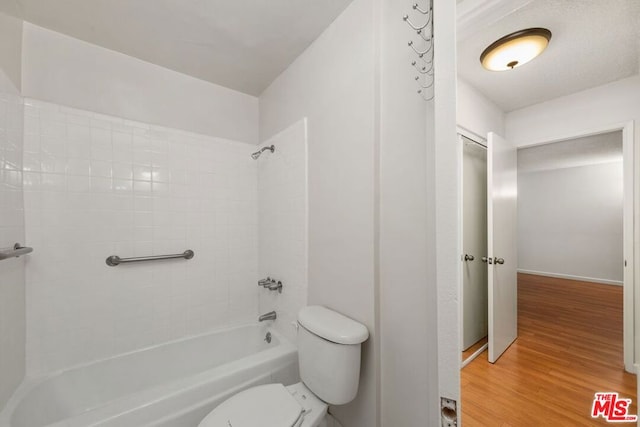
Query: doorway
[[604, 145], [474, 247], [561, 232], [488, 229], [575, 203]]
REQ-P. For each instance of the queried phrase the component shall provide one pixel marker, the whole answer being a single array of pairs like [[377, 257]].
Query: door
[[474, 242], [629, 238], [502, 193]]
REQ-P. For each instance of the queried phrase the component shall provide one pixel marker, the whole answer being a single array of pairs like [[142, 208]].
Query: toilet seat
[[268, 405], [271, 405]]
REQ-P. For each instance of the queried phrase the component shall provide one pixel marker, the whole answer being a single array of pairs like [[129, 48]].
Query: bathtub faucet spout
[[268, 316]]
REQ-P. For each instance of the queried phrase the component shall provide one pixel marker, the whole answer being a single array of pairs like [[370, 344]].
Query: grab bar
[[17, 251], [114, 260]]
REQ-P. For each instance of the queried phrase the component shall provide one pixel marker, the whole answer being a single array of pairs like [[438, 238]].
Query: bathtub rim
[[30, 382]]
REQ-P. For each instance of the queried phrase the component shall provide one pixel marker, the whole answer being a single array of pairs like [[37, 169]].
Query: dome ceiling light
[[515, 49]]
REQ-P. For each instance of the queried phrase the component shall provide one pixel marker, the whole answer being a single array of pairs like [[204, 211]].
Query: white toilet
[[329, 358]]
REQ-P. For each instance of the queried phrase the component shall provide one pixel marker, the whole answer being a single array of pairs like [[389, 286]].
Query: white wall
[[332, 84], [98, 185], [477, 113], [373, 175], [409, 387], [606, 105], [444, 209], [67, 71], [11, 49], [282, 225], [12, 271], [613, 103], [570, 209]]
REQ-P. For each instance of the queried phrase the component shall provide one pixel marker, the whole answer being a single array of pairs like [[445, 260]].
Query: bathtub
[[170, 385]]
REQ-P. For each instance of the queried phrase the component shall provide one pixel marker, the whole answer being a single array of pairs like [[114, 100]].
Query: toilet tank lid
[[332, 326]]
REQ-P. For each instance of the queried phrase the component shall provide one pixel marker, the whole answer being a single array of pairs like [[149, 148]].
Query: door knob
[[486, 260], [499, 260], [469, 257]]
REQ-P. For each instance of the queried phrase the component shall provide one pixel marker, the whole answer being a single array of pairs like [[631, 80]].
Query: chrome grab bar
[[17, 251], [114, 260]]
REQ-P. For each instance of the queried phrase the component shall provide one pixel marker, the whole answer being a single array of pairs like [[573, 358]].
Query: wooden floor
[[569, 346], [468, 352]]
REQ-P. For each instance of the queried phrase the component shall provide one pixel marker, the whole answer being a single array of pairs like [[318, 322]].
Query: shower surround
[[12, 271], [283, 224], [97, 185]]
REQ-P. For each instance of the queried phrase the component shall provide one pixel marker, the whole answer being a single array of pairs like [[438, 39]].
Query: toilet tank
[[329, 353]]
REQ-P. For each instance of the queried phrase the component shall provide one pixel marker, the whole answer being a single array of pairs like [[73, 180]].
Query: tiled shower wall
[[12, 272], [282, 195], [96, 186]]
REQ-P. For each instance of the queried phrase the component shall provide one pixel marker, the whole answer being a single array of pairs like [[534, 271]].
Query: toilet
[[329, 359]]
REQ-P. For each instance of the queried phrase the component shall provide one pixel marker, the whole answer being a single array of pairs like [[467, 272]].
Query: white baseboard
[[330, 421], [475, 354], [571, 277]]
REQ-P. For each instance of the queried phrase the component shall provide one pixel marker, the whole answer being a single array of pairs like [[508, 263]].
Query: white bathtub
[[171, 385]]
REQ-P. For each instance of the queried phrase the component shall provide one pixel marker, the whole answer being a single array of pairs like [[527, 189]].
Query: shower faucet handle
[[271, 284], [275, 286], [265, 282]]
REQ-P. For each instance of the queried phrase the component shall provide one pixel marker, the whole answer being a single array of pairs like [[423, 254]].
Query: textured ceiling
[[240, 44], [594, 42]]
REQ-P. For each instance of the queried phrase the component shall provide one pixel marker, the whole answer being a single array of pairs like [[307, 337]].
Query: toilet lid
[[262, 406]]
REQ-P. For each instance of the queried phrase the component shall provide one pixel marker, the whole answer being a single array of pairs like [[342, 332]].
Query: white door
[[502, 193], [474, 242]]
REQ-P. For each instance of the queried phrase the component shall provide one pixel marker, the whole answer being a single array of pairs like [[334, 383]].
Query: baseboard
[[330, 421], [475, 354], [571, 277]]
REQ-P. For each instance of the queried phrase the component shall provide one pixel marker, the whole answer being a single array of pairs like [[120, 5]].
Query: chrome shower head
[[257, 154]]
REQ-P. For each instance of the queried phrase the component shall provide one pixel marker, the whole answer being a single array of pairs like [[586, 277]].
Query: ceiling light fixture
[[515, 49]]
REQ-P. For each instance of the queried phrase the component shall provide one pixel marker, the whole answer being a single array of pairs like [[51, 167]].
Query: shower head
[[257, 154]]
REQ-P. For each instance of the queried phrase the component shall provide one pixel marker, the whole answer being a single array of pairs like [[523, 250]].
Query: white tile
[[12, 229], [125, 189], [77, 183], [79, 132], [101, 184], [142, 172], [52, 164], [78, 166], [122, 170], [101, 168], [79, 149], [282, 225], [142, 188], [122, 186], [53, 182]]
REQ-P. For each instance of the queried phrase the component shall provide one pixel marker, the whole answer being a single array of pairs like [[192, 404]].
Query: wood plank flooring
[[569, 346], [468, 352]]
